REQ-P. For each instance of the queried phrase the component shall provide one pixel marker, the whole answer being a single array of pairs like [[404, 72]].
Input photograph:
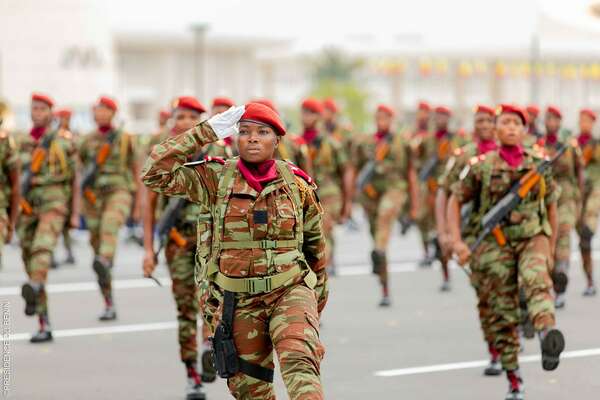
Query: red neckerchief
[[37, 132], [484, 146], [513, 155], [441, 133], [380, 135], [551, 139], [228, 140], [584, 138], [258, 174], [310, 134], [104, 129]]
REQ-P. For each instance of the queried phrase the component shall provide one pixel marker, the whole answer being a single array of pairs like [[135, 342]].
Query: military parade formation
[[244, 212]]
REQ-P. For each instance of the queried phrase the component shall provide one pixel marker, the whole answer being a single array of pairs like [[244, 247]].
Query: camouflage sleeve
[[165, 172], [467, 186], [552, 188], [12, 159], [82, 149], [314, 243]]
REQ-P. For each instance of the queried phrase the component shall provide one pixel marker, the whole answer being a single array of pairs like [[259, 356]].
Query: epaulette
[[299, 172], [206, 159]]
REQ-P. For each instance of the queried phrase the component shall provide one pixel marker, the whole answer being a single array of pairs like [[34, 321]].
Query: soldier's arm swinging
[[552, 210], [15, 199], [413, 190], [148, 213], [453, 218], [75, 193], [441, 201]]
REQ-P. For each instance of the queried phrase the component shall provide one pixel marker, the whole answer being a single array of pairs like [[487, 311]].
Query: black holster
[[227, 362]]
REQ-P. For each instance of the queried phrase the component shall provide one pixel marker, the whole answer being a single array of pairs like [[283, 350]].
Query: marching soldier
[[48, 189], [438, 149], [333, 127], [586, 226], [329, 164], [417, 138], [458, 165], [265, 259], [386, 181], [534, 133], [180, 249], [521, 252], [10, 167], [110, 179], [568, 173]]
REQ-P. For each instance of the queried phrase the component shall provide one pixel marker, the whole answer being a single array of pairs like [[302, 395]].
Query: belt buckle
[[259, 285]]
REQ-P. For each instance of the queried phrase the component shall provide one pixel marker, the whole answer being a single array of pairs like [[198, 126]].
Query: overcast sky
[[315, 22]]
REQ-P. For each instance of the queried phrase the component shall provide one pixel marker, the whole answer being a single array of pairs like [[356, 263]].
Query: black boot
[[553, 344], [30, 292]]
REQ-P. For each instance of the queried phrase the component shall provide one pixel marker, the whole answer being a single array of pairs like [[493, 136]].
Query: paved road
[[427, 346]]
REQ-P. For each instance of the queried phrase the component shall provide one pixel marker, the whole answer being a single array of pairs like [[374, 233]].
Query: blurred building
[[68, 49]]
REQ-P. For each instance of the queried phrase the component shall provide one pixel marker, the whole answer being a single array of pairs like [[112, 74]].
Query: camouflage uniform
[[49, 196], [8, 162], [328, 162], [113, 189], [425, 219], [181, 264], [591, 203], [523, 260], [295, 151], [565, 172], [386, 193], [285, 317]]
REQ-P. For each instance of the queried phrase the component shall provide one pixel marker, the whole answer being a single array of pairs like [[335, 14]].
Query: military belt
[[259, 244], [263, 284]]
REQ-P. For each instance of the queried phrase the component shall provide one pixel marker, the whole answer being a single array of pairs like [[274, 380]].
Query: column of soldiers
[[429, 176]]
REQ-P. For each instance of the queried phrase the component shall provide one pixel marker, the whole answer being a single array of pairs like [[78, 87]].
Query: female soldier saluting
[[266, 268]]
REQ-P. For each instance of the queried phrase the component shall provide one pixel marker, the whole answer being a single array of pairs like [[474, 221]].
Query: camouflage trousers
[[332, 209], [480, 281], [591, 209], [3, 228], [104, 220], [525, 264], [426, 218], [181, 263], [567, 215], [286, 320], [38, 234], [382, 214]]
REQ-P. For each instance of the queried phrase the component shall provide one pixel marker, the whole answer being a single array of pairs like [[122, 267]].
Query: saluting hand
[[225, 123]]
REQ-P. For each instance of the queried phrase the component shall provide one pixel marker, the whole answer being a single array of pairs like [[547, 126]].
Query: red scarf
[[257, 175], [484, 146], [584, 139], [228, 140], [513, 155], [105, 129], [380, 135], [441, 133], [37, 132], [551, 139], [310, 134]]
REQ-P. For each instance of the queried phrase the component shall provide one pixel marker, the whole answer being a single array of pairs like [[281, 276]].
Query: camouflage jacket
[[293, 149], [117, 171], [391, 171], [490, 178], [328, 162], [220, 149], [430, 147], [590, 158], [52, 186], [565, 169], [8, 162], [249, 216]]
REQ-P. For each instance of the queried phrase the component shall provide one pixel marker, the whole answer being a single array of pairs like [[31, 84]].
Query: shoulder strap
[[289, 179]]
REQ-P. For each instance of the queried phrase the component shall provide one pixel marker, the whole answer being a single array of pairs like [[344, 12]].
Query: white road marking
[[89, 286], [477, 364], [155, 326]]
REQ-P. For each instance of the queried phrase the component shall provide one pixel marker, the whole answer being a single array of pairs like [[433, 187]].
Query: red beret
[[63, 112], [256, 112], [164, 113], [190, 103], [386, 109], [313, 105], [512, 109], [533, 110], [554, 111], [44, 98], [266, 102], [107, 102], [588, 112], [424, 106], [223, 102], [443, 110], [485, 109], [330, 105]]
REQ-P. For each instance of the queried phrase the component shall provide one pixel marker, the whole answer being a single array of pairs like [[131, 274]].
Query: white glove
[[225, 123]]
